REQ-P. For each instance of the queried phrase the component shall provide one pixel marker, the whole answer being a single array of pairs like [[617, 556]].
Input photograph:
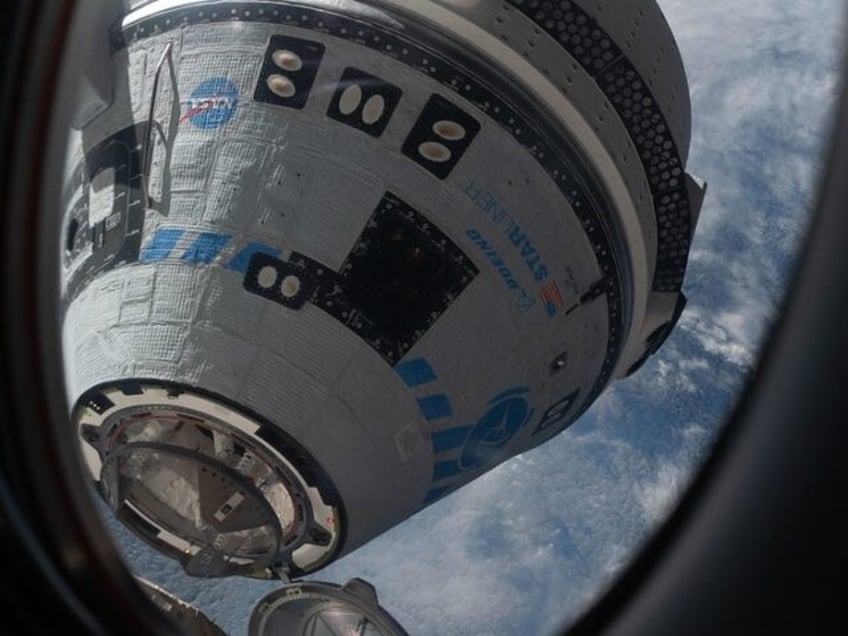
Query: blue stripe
[[518, 390], [205, 248], [437, 493], [449, 439], [435, 407], [242, 259], [415, 372], [163, 242], [444, 470]]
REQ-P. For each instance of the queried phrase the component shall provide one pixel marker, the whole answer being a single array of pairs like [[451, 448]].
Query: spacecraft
[[327, 261]]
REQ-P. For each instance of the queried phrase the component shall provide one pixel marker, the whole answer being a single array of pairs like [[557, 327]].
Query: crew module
[[327, 261]]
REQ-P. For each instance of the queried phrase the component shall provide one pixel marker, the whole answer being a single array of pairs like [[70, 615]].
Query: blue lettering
[[491, 253], [488, 202], [517, 236], [472, 191]]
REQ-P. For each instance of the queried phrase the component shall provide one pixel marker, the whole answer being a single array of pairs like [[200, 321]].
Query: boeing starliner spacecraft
[[326, 261]]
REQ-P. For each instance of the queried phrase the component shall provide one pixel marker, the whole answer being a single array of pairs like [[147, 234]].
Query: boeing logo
[[500, 217], [524, 300]]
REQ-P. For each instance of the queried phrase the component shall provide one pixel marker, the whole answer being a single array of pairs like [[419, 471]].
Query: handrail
[[146, 153]]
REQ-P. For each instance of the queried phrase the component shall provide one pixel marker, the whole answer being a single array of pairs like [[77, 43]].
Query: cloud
[[530, 543], [658, 493], [730, 334], [763, 75]]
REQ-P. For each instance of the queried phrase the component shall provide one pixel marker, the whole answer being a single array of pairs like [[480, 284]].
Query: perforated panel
[[635, 104]]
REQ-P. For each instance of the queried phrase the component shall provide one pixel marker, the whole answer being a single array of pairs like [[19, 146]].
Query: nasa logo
[[509, 412], [212, 104]]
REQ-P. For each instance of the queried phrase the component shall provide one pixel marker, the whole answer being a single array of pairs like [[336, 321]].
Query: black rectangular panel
[[288, 71], [441, 136], [403, 273], [364, 101], [97, 402], [287, 283]]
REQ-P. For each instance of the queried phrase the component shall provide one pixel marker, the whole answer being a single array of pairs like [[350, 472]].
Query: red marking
[[550, 295], [197, 110], [330, 521]]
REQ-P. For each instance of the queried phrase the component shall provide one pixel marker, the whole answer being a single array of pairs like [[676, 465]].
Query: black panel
[[116, 240], [403, 272], [288, 284], [129, 387], [440, 136], [557, 414], [302, 78], [71, 234], [398, 279], [632, 100], [370, 88]]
